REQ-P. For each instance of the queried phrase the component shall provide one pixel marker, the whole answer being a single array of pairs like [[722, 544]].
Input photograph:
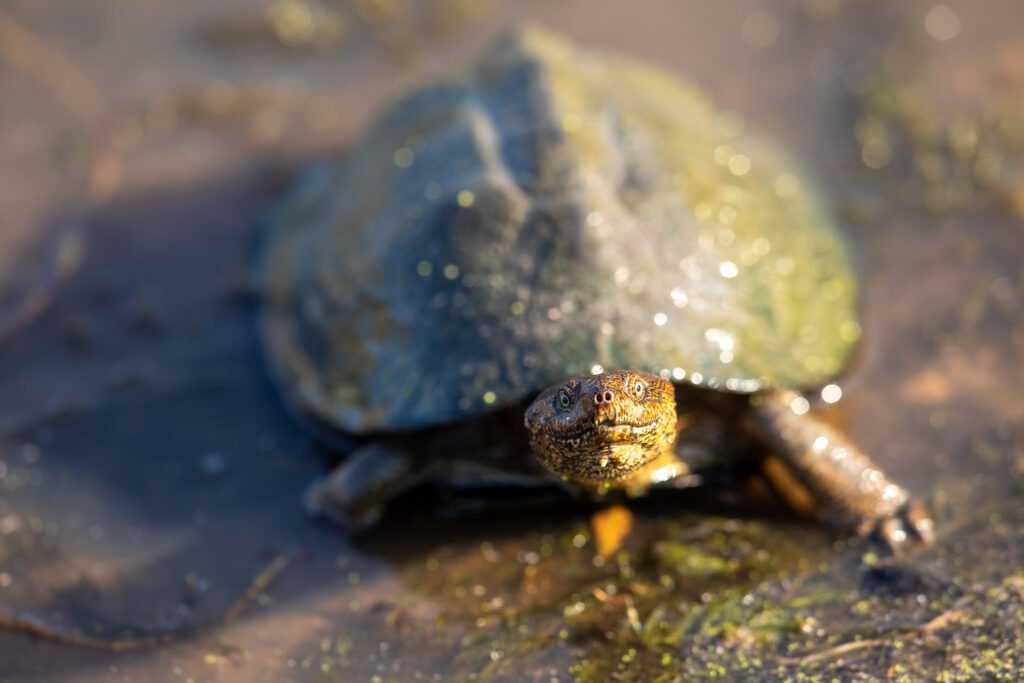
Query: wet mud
[[148, 470]]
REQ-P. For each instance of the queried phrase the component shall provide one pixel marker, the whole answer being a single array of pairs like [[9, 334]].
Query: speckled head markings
[[603, 428]]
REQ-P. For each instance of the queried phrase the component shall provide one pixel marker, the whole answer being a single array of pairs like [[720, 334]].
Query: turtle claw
[[910, 524]]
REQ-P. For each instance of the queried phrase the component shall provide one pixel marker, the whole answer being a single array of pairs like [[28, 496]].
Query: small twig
[[836, 651], [33, 625], [44, 63], [63, 263], [940, 622]]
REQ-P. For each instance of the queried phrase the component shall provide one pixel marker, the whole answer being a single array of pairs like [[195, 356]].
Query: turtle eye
[[639, 388], [564, 399]]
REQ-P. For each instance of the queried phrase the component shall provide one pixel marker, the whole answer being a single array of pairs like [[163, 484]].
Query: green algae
[[702, 599]]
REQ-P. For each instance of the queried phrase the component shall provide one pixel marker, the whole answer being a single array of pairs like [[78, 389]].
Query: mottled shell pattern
[[555, 212]]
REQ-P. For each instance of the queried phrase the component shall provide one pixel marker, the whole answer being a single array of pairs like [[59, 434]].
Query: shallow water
[[147, 471]]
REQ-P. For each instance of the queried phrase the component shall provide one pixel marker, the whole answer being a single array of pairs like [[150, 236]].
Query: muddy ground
[[148, 472]]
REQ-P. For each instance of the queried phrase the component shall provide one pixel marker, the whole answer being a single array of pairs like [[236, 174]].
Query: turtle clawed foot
[[356, 493], [321, 502], [910, 524]]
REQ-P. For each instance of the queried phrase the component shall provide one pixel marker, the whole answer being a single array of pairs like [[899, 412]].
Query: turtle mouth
[[609, 432], [623, 432]]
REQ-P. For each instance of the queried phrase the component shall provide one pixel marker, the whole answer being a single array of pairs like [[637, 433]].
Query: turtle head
[[602, 428]]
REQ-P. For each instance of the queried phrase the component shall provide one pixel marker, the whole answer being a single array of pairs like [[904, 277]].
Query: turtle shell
[[555, 212]]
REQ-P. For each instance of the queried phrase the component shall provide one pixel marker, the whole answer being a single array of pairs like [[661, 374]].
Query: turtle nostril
[[606, 397]]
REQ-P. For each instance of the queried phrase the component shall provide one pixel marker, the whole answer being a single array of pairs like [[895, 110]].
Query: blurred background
[[147, 471]]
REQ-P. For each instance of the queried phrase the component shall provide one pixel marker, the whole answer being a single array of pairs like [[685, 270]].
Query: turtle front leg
[[357, 491], [847, 487]]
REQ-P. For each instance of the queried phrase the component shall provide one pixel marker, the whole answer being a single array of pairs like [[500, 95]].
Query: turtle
[[566, 268]]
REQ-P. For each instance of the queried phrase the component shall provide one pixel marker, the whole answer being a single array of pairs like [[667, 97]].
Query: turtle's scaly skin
[[555, 211], [603, 428]]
